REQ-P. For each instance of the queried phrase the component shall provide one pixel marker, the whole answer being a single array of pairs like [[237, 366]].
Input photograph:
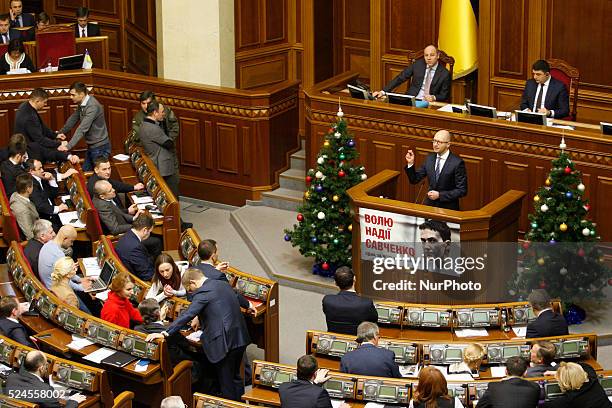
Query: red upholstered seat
[[3, 48], [562, 71]]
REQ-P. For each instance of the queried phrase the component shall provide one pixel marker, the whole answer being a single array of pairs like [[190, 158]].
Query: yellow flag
[[458, 35]]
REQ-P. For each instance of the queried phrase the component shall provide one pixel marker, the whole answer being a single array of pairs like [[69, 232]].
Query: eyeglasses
[[434, 141]]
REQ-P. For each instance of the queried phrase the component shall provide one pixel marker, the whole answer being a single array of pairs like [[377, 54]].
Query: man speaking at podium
[[445, 172]]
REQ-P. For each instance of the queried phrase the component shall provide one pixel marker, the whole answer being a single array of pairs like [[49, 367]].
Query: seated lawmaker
[[15, 58], [307, 390], [580, 387], [548, 323], [131, 247], [102, 171], [64, 270], [368, 358], [345, 310], [7, 33], [432, 391], [431, 81], [13, 166], [84, 28], [118, 308], [18, 17], [22, 207], [473, 355], [545, 94], [34, 377], [115, 218], [43, 233], [44, 193], [522, 393], [166, 280], [542, 355], [10, 310], [42, 21]]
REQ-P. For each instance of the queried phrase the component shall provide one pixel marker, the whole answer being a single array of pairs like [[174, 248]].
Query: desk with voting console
[[358, 390], [90, 381], [58, 321], [262, 293], [208, 401], [440, 322], [328, 348]]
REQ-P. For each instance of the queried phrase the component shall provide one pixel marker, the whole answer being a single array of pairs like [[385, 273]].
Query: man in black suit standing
[[368, 358], [18, 19], [10, 310], [43, 233], [306, 391], [431, 81], [32, 381], [445, 172], [224, 331], [133, 251], [544, 93], [345, 310], [548, 323], [513, 391], [84, 28]]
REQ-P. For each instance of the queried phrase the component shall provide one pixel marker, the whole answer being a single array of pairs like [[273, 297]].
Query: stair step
[[283, 198], [298, 160], [293, 179]]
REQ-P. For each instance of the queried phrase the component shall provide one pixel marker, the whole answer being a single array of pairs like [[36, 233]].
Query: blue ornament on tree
[[552, 242], [319, 188], [575, 314], [351, 143], [569, 194], [287, 237], [313, 240]]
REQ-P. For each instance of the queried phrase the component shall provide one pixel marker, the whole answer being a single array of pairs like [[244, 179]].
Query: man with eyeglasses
[[445, 172]]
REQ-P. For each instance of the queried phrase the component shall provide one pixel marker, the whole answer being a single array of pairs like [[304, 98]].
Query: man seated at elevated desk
[[544, 94], [430, 81]]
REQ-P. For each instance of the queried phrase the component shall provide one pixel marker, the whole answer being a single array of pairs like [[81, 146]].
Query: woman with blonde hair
[[63, 270], [118, 309], [473, 355], [432, 391], [580, 388]]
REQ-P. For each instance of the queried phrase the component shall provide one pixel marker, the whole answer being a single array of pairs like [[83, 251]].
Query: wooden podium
[[490, 233], [52, 43]]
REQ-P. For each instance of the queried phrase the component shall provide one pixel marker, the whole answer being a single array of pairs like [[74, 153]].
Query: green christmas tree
[[560, 253], [324, 222]]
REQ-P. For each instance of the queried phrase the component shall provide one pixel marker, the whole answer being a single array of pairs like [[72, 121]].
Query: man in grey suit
[[159, 146], [115, 219], [92, 125], [21, 206]]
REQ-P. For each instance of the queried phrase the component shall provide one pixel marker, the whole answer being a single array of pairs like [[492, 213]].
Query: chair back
[[570, 76]]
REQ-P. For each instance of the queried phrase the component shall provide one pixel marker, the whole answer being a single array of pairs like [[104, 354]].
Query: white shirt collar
[[24, 197], [85, 100], [137, 236], [12, 320], [543, 310], [37, 376], [547, 82], [434, 67], [445, 155]]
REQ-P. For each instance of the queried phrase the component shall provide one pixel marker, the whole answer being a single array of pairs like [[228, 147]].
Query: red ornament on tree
[[567, 170], [587, 207], [609, 282], [543, 285], [300, 217], [325, 266], [581, 252], [308, 179], [341, 173], [526, 245]]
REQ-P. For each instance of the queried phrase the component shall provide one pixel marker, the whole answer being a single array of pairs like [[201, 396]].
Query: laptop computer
[[102, 281], [70, 62]]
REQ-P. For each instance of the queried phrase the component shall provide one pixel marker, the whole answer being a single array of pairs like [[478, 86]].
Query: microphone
[[416, 198]]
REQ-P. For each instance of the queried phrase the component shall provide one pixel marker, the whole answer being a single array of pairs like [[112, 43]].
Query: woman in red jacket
[[118, 309]]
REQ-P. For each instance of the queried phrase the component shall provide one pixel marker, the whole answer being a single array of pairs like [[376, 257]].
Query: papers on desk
[[91, 266], [195, 336], [142, 200], [18, 71], [78, 342], [561, 126], [459, 377], [65, 198], [374, 405], [498, 371], [182, 265], [410, 370], [71, 218], [449, 108], [121, 157], [103, 296], [4, 369], [471, 333], [336, 402], [100, 354], [520, 331]]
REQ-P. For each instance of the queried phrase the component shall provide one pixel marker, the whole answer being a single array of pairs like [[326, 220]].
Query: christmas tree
[[324, 228], [560, 253]]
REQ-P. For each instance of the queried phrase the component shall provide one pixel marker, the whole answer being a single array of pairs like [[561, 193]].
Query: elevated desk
[[499, 155]]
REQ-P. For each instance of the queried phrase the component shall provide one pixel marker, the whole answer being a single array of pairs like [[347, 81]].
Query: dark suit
[[368, 359], [557, 98], [28, 122], [547, 324], [224, 333], [119, 186], [15, 331], [9, 173], [12, 35], [440, 83], [93, 30], [178, 345], [27, 20], [590, 395], [26, 63], [346, 310], [43, 196], [134, 256], [213, 273], [114, 219], [511, 393], [18, 382], [303, 394], [452, 182], [539, 370], [31, 251]]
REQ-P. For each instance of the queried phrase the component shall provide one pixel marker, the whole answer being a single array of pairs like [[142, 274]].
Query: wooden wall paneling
[[247, 26], [246, 150], [262, 70], [511, 39], [5, 128], [227, 148], [602, 205], [110, 7], [45, 115], [383, 156], [515, 177], [209, 148], [354, 50], [324, 39], [189, 143], [117, 121], [476, 196], [276, 23], [409, 25], [59, 115]]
